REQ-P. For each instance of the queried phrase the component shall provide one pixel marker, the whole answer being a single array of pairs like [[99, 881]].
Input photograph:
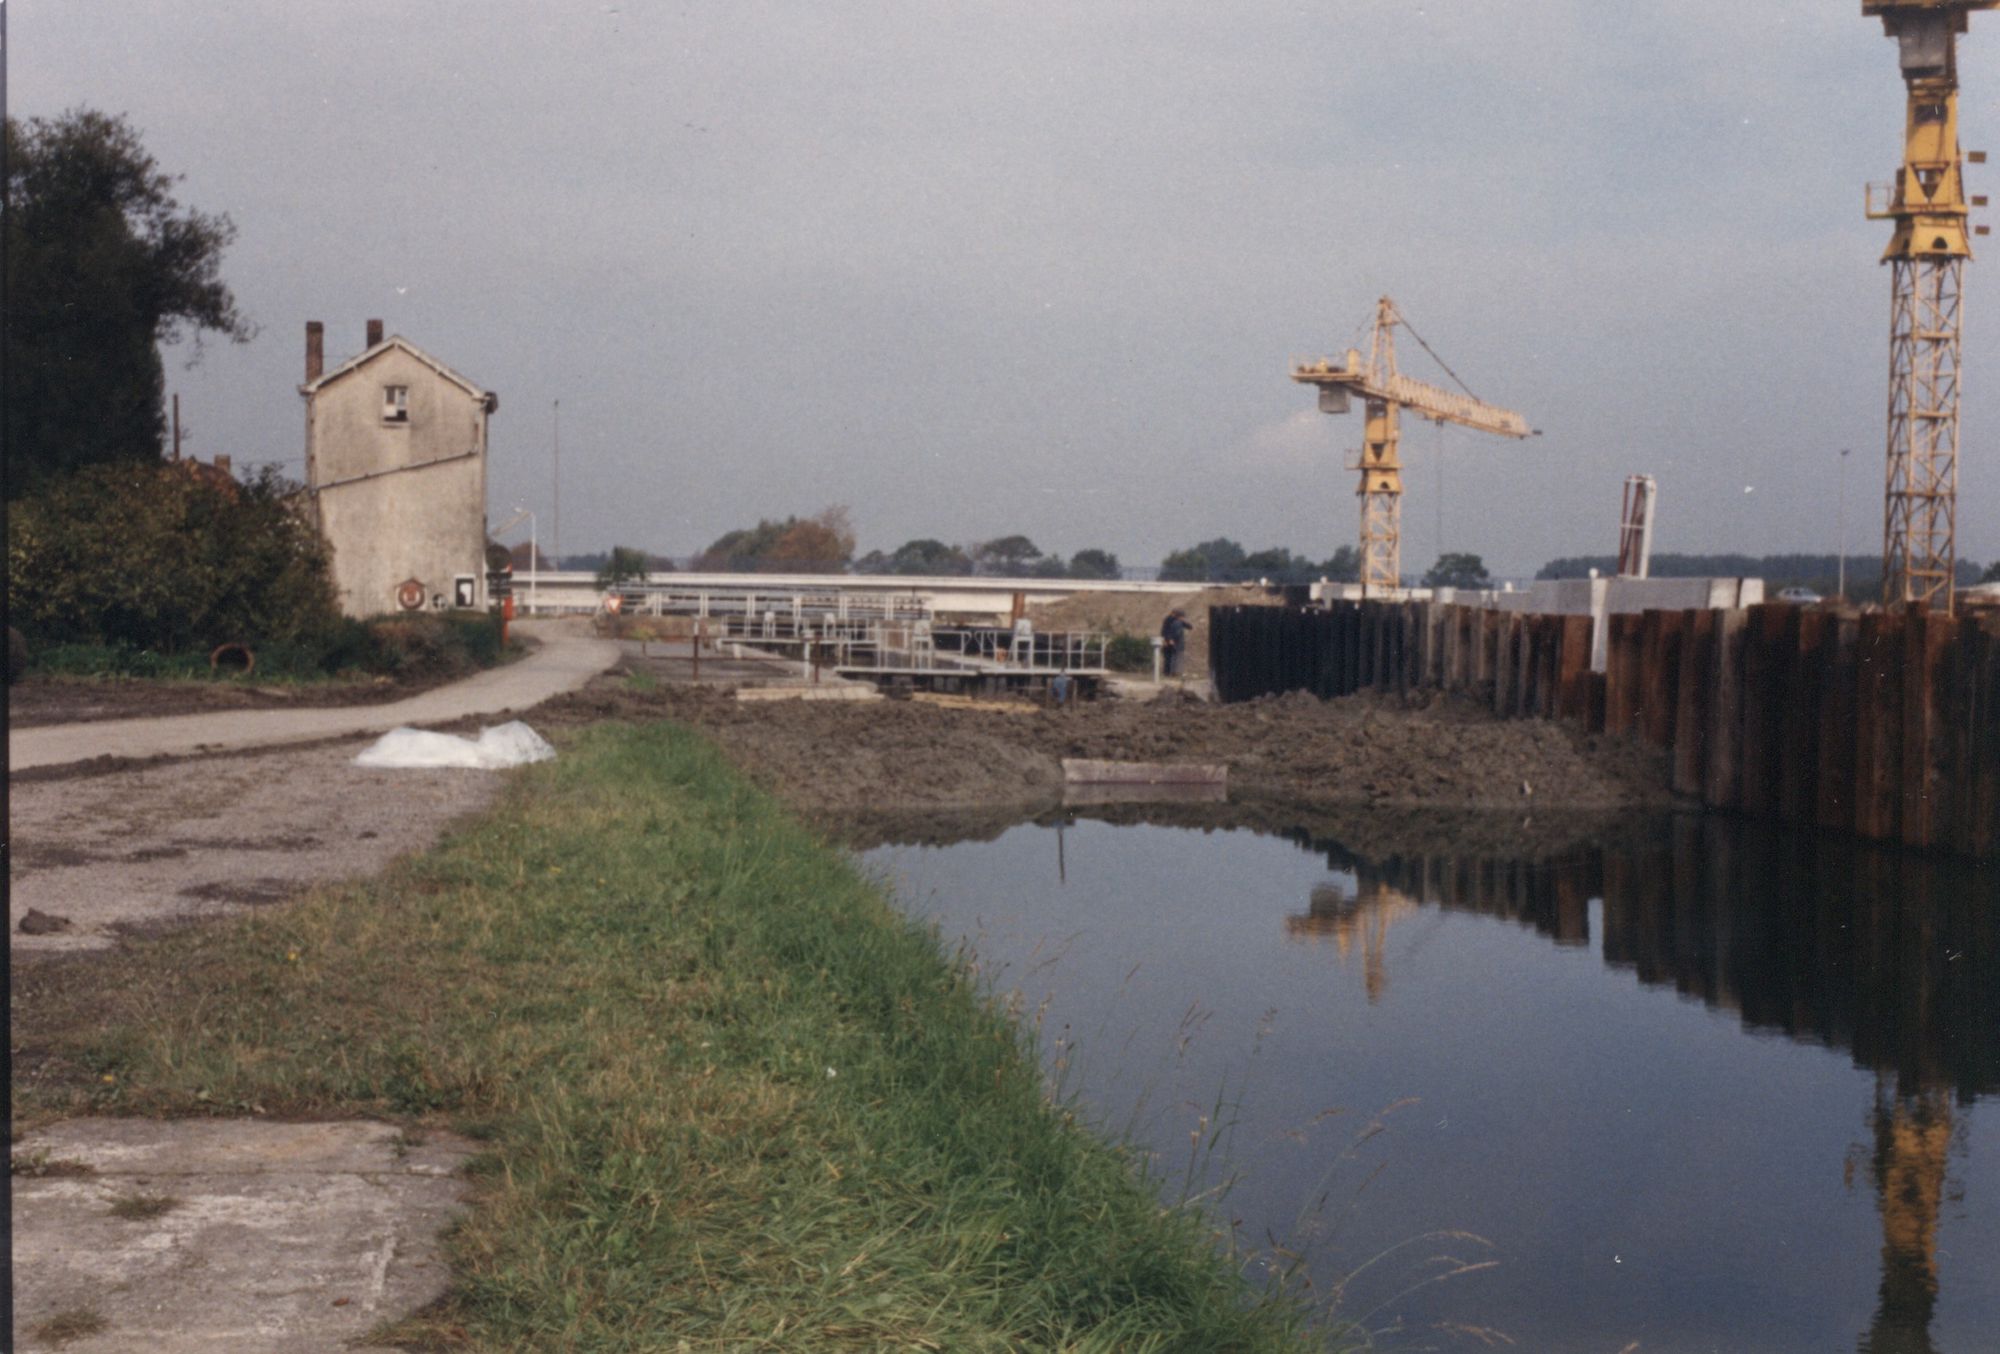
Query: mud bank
[[838, 761]]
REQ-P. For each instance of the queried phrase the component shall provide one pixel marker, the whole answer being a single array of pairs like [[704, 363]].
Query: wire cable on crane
[[1404, 320]]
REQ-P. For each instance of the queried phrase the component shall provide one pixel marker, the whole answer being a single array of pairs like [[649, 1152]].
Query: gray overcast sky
[[980, 268]]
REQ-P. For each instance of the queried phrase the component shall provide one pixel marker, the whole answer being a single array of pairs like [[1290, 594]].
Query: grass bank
[[732, 1099]]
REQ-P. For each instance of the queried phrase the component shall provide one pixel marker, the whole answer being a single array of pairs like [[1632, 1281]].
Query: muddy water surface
[[1709, 1088]]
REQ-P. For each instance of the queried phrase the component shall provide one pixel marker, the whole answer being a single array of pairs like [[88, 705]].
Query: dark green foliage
[[1006, 556], [1224, 561], [1129, 653], [920, 557], [1280, 566], [623, 565], [1344, 566], [821, 544], [168, 558], [1458, 570], [423, 647], [431, 645], [1094, 564], [1992, 574], [1216, 561], [102, 265]]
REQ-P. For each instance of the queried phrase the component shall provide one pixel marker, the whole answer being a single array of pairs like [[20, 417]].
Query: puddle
[[1701, 1085]]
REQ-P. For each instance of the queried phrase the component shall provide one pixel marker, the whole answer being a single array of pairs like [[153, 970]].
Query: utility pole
[[555, 524]]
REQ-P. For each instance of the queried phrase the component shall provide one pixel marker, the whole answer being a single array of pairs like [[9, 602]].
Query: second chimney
[[374, 332], [315, 350]]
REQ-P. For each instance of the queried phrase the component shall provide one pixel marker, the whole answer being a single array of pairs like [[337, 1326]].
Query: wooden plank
[[1691, 700], [1624, 672], [1524, 666], [1724, 784], [1616, 673], [1413, 647], [1985, 744], [1878, 711], [1662, 677], [1925, 636], [1763, 698], [1957, 716], [1573, 670], [1834, 801], [1503, 663], [1548, 657], [1089, 771], [1798, 720]]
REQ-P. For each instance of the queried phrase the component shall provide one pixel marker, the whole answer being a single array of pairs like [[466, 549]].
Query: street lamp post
[[534, 569], [555, 456]]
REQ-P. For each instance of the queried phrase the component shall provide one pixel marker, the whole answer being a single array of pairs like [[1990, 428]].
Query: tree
[[1992, 574], [1280, 566], [926, 556], [1007, 556], [1094, 564], [1219, 560], [1455, 570], [1343, 567], [170, 558], [1049, 566], [624, 565], [102, 266], [821, 544]]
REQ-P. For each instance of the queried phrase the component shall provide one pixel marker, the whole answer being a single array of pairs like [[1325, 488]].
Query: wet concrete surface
[[208, 1235]]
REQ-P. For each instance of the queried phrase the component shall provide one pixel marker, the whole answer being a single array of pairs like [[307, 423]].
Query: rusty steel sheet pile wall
[[1884, 724]]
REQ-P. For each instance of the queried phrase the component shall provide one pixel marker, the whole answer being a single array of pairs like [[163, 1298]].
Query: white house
[[396, 475]]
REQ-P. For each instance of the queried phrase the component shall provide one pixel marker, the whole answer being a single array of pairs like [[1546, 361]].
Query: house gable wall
[[398, 501]]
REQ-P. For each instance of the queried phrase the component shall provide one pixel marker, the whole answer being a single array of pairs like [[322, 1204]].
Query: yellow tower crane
[[1926, 255], [1385, 393]]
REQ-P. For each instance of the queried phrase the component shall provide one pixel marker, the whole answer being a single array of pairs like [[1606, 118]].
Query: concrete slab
[[827, 691], [274, 1239], [568, 656]]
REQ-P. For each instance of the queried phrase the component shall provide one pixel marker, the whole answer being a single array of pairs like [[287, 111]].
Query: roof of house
[[362, 359]]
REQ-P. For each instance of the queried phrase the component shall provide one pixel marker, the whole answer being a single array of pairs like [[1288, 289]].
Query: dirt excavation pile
[[897, 756]]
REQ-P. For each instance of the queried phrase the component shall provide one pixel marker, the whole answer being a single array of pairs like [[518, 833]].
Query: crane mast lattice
[[1926, 257], [1385, 393]]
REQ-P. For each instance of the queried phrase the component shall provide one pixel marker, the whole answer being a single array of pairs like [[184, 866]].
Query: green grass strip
[[733, 1099]]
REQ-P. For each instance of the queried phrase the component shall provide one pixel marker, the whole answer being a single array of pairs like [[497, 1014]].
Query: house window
[[395, 404]]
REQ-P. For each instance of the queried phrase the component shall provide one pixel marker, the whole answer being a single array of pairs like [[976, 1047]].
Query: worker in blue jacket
[[1173, 640]]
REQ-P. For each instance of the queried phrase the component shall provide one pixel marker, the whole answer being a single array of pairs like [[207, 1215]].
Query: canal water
[[1714, 1087]]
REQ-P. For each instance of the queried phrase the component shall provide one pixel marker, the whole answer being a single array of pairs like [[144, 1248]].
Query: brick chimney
[[315, 350], [374, 332]]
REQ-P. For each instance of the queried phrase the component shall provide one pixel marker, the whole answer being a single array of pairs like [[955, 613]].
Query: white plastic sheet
[[513, 744]]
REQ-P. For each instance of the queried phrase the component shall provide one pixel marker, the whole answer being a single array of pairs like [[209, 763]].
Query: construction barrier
[[1883, 723]]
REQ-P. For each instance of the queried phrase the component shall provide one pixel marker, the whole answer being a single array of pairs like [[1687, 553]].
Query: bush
[[439, 644], [1129, 653], [426, 646], [169, 559]]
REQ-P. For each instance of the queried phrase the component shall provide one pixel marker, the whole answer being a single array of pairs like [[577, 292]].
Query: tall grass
[[732, 1099]]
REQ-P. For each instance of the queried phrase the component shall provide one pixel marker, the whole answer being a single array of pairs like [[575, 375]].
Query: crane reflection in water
[[1890, 956]]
